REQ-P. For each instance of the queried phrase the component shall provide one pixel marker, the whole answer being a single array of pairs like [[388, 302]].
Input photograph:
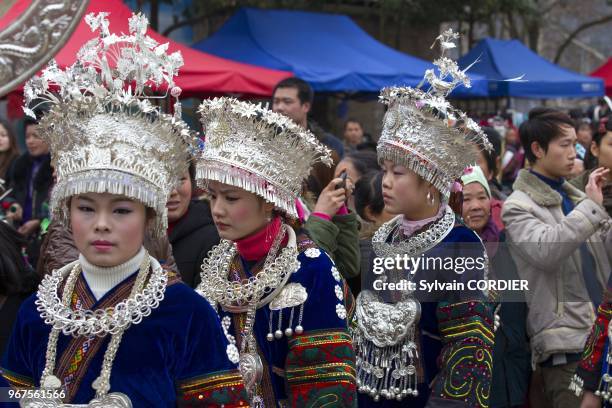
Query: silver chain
[[237, 296]]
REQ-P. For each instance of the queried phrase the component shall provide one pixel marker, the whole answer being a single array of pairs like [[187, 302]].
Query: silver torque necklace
[[144, 299], [416, 244]]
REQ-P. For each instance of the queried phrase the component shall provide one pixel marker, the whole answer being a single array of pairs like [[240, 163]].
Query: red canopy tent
[[202, 74], [605, 72]]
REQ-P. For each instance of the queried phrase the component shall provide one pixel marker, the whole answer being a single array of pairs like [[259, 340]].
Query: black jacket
[[191, 238], [18, 180]]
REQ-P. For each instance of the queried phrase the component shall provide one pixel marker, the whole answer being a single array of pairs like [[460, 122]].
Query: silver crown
[[104, 133], [258, 150], [423, 132]]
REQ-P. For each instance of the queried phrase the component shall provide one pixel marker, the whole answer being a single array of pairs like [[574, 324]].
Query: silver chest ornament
[[251, 369], [112, 400], [291, 296], [53, 384], [384, 334], [384, 341]]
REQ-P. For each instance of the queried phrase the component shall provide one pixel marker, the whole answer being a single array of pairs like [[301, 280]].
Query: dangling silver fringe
[[387, 372], [576, 385], [604, 391], [228, 173], [113, 182], [289, 330], [412, 160]]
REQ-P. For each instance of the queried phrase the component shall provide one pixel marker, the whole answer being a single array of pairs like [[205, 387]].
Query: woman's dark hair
[[368, 194], [195, 191], [39, 109], [543, 126], [604, 126], [16, 277], [363, 161], [491, 157], [7, 157], [192, 172]]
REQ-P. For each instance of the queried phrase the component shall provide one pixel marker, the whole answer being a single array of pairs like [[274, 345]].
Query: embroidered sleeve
[[17, 381], [16, 366], [220, 389], [208, 375], [466, 358], [320, 363], [320, 369], [589, 370]]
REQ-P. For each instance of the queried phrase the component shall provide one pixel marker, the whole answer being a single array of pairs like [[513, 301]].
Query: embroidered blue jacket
[[316, 367], [175, 355]]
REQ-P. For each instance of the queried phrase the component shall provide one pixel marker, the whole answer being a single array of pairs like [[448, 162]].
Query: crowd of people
[[144, 265]]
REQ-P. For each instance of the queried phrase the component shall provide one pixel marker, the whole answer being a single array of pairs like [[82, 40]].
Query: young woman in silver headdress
[[113, 328], [422, 334], [278, 294]]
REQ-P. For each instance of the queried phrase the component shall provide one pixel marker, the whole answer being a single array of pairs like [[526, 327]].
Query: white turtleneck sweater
[[102, 279]]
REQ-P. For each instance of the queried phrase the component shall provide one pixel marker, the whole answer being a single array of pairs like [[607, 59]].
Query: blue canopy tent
[[505, 59], [329, 51]]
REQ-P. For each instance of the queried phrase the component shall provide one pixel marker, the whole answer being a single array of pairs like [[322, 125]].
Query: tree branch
[[579, 43], [549, 7], [577, 31]]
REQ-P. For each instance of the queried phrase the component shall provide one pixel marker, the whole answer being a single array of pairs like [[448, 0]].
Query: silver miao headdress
[[420, 128], [258, 150], [104, 133]]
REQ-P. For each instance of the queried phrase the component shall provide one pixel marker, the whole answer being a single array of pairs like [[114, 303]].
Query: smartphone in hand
[[343, 176]]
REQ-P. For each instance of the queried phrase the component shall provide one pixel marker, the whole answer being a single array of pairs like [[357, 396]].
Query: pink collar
[[409, 227], [257, 245]]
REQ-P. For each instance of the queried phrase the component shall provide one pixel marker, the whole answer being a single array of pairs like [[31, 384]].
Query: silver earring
[[269, 236], [430, 199]]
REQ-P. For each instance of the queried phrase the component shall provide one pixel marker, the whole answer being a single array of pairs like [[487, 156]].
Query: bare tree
[[572, 35]]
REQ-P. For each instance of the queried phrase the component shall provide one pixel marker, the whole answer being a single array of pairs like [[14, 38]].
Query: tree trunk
[[155, 14], [533, 34], [399, 26], [512, 26], [381, 26], [492, 25], [470, 30]]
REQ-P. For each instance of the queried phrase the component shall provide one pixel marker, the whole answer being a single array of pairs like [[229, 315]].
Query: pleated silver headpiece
[[253, 148], [104, 133], [423, 132]]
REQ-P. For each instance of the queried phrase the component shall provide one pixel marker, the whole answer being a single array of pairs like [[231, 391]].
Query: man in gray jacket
[[562, 244]]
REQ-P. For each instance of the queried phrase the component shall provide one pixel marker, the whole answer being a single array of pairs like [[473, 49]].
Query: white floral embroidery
[[336, 273], [231, 350], [313, 252], [232, 353], [339, 294], [341, 311]]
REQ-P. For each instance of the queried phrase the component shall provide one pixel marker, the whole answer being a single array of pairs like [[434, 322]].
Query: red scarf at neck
[[257, 245]]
